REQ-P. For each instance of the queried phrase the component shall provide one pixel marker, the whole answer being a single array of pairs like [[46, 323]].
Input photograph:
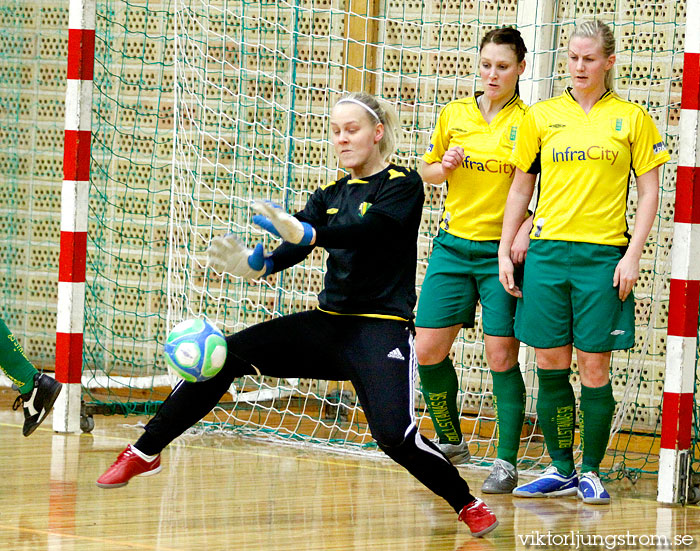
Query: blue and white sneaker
[[549, 484], [591, 489]]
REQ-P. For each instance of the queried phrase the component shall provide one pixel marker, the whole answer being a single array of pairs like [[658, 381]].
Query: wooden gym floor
[[239, 494]]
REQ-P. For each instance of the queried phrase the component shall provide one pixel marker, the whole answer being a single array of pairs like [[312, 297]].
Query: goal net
[[201, 106], [254, 85]]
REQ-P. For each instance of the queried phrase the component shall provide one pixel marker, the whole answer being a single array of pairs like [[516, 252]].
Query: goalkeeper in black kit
[[362, 330]]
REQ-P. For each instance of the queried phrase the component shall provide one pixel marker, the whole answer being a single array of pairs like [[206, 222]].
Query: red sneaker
[[479, 518], [127, 466]]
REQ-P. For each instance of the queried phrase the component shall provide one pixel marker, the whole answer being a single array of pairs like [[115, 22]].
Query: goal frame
[[678, 395]]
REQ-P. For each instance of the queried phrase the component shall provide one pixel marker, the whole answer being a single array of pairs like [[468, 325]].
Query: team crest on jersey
[[617, 124], [364, 207]]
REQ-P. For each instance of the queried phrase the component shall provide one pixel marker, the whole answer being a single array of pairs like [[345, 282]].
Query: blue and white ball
[[195, 350]]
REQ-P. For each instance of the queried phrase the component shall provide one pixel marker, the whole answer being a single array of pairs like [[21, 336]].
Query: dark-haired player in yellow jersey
[[582, 262], [470, 148]]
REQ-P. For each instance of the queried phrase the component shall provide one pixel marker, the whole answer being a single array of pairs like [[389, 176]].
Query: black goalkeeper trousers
[[376, 355]]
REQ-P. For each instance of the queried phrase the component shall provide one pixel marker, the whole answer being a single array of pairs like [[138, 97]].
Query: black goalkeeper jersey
[[374, 276]]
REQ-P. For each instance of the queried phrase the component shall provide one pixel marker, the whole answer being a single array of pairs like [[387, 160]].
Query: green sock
[[13, 361], [556, 413], [509, 401], [597, 410], [439, 386]]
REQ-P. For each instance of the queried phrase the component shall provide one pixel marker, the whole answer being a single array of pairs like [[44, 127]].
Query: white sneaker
[[456, 453], [502, 480]]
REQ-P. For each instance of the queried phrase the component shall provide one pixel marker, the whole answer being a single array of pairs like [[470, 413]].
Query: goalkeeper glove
[[272, 218], [228, 254]]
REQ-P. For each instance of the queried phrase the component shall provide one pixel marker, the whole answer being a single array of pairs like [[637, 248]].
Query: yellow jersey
[[585, 163], [477, 190]]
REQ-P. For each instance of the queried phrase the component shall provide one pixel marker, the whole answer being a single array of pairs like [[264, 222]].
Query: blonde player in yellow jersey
[[470, 147], [582, 262]]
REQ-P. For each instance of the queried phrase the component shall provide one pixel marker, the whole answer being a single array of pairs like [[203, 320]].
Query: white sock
[[142, 455]]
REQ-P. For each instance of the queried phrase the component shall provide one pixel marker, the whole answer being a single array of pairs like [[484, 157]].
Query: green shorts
[[568, 297], [460, 273]]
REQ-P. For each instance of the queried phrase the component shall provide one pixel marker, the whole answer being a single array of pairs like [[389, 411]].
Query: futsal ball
[[195, 350]]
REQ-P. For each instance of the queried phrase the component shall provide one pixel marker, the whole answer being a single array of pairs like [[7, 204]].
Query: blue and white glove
[[228, 254], [272, 218]]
